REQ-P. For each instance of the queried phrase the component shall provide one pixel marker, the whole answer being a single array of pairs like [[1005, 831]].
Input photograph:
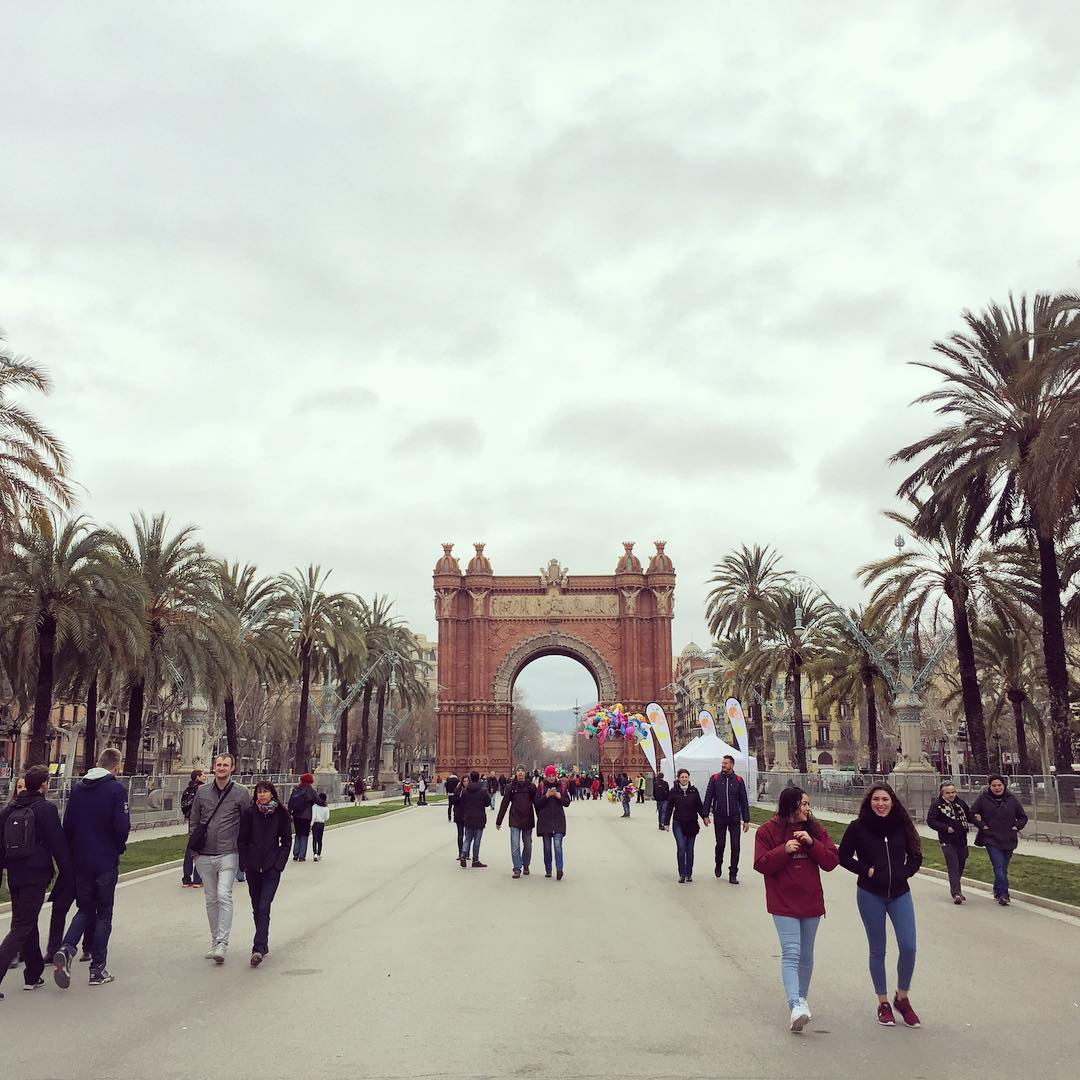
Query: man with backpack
[[727, 803], [96, 826], [191, 879], [31, 844]]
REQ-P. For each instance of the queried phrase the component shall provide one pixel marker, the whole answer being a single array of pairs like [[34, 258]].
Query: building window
[[823, 733]]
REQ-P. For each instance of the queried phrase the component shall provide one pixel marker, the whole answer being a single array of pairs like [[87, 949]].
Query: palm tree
[[796, 625], [1010, 454], [745, 582], [319, 618], [182, 618], [1004, 653], [850, 674], [60, 588], [256, 612], [377, 630], [33, 462], [398, 675]]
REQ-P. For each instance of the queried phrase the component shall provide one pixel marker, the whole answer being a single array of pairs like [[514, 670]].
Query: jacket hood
[[95, 776]]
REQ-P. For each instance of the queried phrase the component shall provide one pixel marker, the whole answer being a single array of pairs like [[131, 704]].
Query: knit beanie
[[551, 772]]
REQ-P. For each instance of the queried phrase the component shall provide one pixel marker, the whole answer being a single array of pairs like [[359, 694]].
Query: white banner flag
[[738, 724]]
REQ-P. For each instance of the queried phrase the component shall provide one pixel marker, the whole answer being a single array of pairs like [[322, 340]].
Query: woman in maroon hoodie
[[790, 851]]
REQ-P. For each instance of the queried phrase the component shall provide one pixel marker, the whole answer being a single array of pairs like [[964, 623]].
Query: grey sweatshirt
[[224, 830]]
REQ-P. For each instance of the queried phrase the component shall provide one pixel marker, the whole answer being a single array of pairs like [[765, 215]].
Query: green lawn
[[143, 853], [1027, 873]]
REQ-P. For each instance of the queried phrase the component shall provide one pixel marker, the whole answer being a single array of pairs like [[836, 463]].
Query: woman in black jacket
[[883, 848], [264, 842], [682, 810], [999, 817], [950, 817], [551, 803], [473, 801]]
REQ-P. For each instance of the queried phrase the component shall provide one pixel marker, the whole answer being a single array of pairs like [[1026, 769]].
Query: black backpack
[[20, 833], [186, 800]]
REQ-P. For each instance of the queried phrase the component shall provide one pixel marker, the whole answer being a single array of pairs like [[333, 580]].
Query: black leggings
[[316, 837]]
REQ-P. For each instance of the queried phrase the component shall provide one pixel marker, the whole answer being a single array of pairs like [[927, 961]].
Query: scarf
[[267, 808], [954, 811]]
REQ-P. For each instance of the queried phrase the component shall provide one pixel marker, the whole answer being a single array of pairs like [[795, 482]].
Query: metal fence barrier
[[1052, 803]]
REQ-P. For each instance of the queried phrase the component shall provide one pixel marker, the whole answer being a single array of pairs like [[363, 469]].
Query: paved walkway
[[391, 961]]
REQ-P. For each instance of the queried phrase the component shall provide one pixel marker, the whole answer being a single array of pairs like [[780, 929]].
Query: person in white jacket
[[320, 815]]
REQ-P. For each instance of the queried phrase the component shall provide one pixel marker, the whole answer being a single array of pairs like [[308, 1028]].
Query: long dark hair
[[266, 785], [787, 806], [897, 813]]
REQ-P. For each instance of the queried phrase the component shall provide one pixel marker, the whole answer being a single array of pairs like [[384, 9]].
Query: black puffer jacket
[[878, 851], [685, 807], [519, 798], [1002, 819], [265, 839], [473, 803], [550, 811]]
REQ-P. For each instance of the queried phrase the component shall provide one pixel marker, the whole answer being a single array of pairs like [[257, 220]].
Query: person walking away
[[790, 851], [263, 843], [727, 803], [190, 878], [320, 815], [300, 803], [32, 845], [682, 810], [999, 819], [214, 833], [406, 790], [96, 827], [458, 818], [474, 801], [596, 788], [422, 787], [551, 803], [16, 790], [493, 787], [519, 799], [641, 787], [503, 781], [450, 787], [884, 849], [661, 791], [626, 793], [950, 817]]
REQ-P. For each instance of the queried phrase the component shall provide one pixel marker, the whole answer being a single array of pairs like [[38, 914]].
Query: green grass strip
[[141, 854], [1051, 878]]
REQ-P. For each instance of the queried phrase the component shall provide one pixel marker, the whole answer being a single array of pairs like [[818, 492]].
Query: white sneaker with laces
[[800, 1017], [219, 953], [806, 1005]]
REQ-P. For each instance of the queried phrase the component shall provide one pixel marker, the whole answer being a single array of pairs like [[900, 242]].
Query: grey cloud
[[446, 436], [347, 400]]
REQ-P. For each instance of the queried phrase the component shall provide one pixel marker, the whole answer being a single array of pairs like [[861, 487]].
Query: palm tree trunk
[[300, 761], [969, 686], [233, 743], [133, 743], [1053, 636], [343, 731], [380, 712], [795, 672], [1016, 700], [365, 714], [39, 728], [90, 735], [871, 719]]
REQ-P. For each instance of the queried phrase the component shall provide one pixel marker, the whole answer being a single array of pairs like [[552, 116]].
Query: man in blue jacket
[[726, 802], [31, 842], [96, 824]]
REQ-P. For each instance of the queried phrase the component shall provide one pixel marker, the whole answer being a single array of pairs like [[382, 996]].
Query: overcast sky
[[341, 282]]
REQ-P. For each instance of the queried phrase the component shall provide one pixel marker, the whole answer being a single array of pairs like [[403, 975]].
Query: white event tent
[[703, 757]]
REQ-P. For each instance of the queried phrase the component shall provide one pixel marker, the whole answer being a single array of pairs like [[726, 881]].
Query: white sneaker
[[800, 1017], [806, 1005], [210, 952], [219, 953]]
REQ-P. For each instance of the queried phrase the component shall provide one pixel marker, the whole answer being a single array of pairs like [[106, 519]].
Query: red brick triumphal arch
[[618, 625]]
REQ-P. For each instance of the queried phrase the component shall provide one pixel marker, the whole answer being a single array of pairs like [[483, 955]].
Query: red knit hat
[[550, 772], [307, 778]]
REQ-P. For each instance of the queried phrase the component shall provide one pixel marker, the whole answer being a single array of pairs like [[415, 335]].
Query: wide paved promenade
[[389, 960]]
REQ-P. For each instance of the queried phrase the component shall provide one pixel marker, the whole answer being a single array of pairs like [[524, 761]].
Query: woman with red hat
[[300, 803]]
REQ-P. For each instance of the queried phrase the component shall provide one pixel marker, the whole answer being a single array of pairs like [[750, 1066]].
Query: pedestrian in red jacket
[[790, 851]]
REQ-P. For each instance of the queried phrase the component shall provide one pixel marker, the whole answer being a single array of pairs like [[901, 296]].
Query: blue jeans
[[300, 840], [520, 839], [684, 848], [556, 843], [94, 894], [901, 911], [472, 840], [626, 806], [796, 954], [262, 886], [660, 808], [191, 875], [999, 860]]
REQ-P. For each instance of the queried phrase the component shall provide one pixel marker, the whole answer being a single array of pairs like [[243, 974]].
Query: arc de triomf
[[618, 625]]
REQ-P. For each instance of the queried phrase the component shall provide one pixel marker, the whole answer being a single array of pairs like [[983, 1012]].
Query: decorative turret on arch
[[618, 625]]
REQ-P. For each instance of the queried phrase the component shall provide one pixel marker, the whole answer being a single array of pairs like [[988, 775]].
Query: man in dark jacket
[[950, 817], [661, 789], [190, 877], [518, 799], [96, 827], [474, 802], [300, 803], [727, 803], [31, 844]]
